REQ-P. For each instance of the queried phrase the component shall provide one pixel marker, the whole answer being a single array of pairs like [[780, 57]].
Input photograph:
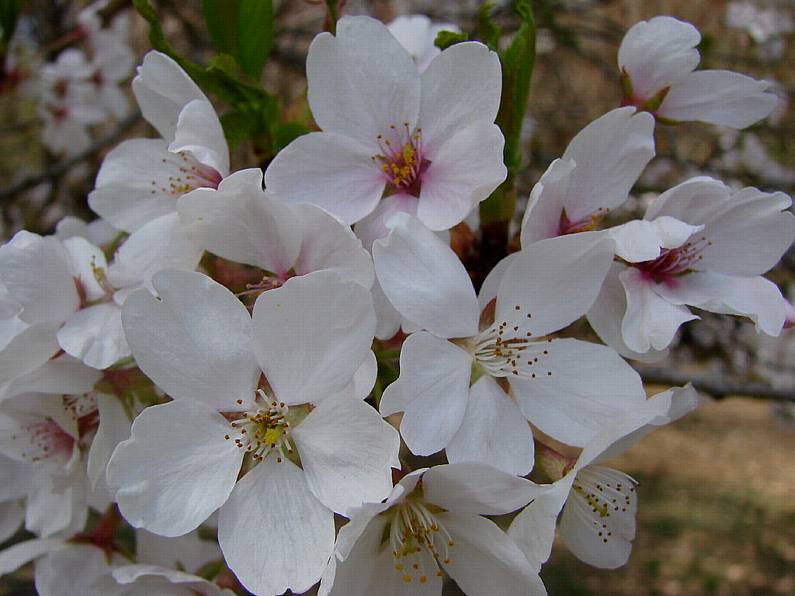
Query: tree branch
[[718, 388]]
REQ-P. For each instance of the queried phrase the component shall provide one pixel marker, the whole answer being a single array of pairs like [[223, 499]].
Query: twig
[[717, 388], [61, 168]]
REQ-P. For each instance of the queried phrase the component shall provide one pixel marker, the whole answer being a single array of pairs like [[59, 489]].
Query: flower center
[[586, 224], [262, 431], [674, 261], [83, 408], [601, 493], [505, 349], [419, 542], [401, 158], [45, 440], [187, 174]]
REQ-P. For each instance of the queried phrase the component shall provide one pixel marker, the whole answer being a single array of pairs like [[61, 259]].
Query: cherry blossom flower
[[432, 524], [309, 337], [598, 502], [141, 179], [417, 34], [424, 143], [598, 169], [240, 223], [699, 244], [470, 388], [658, 58]]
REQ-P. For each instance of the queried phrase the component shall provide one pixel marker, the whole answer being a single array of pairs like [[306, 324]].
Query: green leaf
[[221, 19], [487, 30], [255, 35], [286, 133], [9, 11], [445, 39], [238, 127]]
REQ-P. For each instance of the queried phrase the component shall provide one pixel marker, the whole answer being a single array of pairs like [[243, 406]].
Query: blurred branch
[[718, 388], [59, 169]]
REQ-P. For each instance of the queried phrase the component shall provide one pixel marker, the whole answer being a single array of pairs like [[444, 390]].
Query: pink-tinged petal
[[484, 560], [658, 53], [719, 97], [328, 244], [463, 171], [754, 297], [162, 89], [650, 322], [329, 170], [312, 334], [477, 488], [572, 268], [199, 131], [95, 336], [240, 223], [359, 94], [274, 500], [432, 391], [542, 215], [493, 431], [347, 452], [610, 154], [424, 279], [607, 315], [578, 387], [186, 352], [599, 531], [461, 87], [175, 469]]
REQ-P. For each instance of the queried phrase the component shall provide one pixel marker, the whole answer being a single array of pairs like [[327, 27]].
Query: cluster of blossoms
[[200, 360]]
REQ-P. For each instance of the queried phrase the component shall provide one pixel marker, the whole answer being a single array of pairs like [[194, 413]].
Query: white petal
[[719, 97], [610, 154], [650, 321], [424, 279], [78, 569], [484, 560], [388, 318], [27, 351], [693, 201], [347, 451], [607, 315], [374, 226], [175, 469], [162, 243], [162, 89], [460, 87], [545, 205], [365, 377], [359, 94], [188, 354], [238, 222], [602, 538], [329, 170], [12, 513], [152, 577], [86, 259], [189, 552], [749, 235], [641, 240], [62, 376], [13, 557], [533, 530], [572, 269], [493, 431], [37, 273], [477, 488], [95, 335], [199, 131], [657, 53], [274, 501], [754, 297], [464, 171], [432, 391], [589, 386], [312, 334], [490, 285], [329, 244], [114, 427]]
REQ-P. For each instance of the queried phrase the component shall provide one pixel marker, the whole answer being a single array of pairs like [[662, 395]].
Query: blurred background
[[717, 513]]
